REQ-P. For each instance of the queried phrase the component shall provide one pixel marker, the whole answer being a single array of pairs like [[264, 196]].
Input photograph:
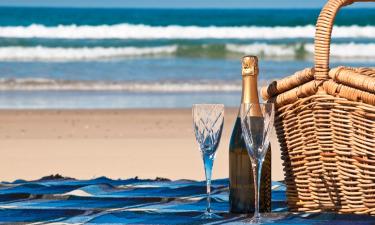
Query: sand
[[85, 144]]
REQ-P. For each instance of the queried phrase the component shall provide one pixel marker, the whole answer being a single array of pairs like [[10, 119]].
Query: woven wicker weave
[[325, 124]]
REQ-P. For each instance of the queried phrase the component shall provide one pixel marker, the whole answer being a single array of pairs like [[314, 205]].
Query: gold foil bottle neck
[[250, 66]]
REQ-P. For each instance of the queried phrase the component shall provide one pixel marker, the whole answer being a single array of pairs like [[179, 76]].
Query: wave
[[338, 51], [42, 84], [351, 51], [40, 53], [131, 31]]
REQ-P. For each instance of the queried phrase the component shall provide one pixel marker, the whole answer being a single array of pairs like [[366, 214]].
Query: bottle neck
[[250, 94], [249, 89]]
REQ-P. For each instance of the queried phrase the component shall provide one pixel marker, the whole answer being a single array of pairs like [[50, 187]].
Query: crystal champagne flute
[[208, 121], [256, 123]]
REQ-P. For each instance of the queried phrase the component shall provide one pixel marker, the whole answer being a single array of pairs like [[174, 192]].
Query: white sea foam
[[264, 49], [346, 51], [42, 84], [352, 51], [130, 31], [40, 53]]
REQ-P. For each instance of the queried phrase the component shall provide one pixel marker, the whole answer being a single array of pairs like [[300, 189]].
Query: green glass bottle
[[241, 181]]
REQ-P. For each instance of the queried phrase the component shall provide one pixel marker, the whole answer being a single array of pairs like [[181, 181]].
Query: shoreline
[[120, 143]]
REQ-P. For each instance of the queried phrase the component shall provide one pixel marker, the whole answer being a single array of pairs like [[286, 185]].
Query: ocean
[[68, 58]]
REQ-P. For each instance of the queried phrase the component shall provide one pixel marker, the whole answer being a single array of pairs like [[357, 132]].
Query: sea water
[[157, 58]]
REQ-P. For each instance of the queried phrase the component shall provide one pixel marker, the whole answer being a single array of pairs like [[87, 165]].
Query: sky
[[174, 3]]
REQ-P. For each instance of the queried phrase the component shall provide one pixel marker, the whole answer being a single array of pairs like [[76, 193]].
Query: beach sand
[[84, 144]]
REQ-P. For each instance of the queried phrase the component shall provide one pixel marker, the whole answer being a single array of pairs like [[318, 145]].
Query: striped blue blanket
[[135, 201]]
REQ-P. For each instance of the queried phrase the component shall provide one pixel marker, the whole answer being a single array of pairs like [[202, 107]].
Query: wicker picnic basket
[[325, 123]]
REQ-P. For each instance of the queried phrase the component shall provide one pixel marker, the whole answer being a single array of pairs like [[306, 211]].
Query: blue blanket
[[135, 201]]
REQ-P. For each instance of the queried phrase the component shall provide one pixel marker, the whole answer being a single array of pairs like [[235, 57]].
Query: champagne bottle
[[241, 181]]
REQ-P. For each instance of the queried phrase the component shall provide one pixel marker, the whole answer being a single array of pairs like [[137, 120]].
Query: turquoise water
[[147, 58], [184, 17]]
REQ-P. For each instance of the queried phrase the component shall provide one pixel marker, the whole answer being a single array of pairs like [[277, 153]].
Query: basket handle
[[323, 35]]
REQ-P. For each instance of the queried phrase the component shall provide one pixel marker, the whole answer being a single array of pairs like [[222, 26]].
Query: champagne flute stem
[[257, 174], [208, 163], [208, 182]]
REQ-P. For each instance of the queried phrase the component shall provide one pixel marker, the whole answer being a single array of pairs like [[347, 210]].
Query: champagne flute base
[[261, 219], [208, 216]]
